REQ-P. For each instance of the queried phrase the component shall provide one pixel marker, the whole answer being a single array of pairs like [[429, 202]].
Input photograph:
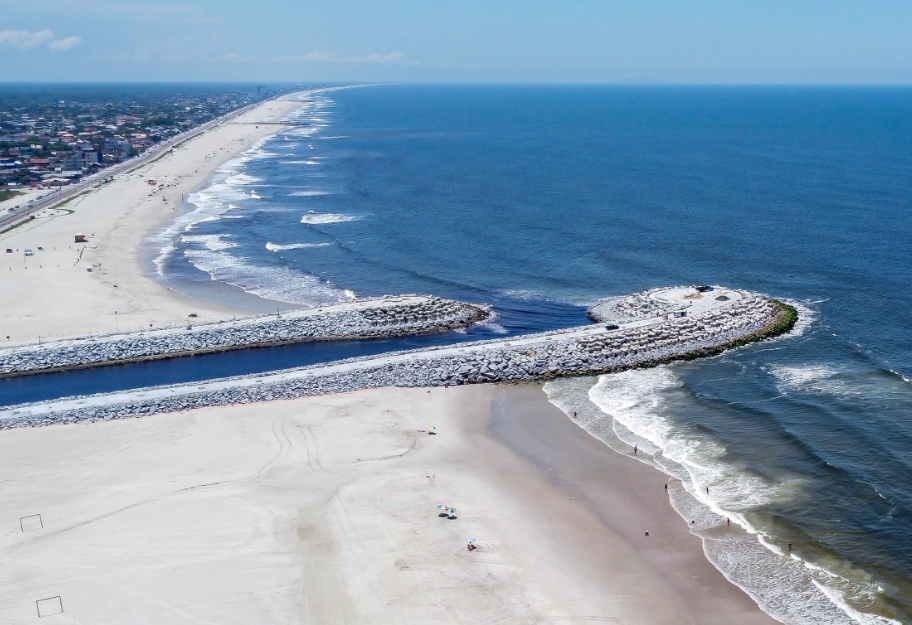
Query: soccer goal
[[31, 523], [49, 606]]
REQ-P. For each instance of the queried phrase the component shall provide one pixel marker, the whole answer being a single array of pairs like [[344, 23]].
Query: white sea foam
[[212, 242], [309, 193], [307, 162], [636, 403], [211, 205], [242, 179], [806, 316], [275, 247], [843, 381], [327, 218], [818, 377], [838, 598], [275, 283], [636, 407]]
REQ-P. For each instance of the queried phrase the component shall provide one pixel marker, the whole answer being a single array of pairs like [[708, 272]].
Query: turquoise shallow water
[[542, 199]]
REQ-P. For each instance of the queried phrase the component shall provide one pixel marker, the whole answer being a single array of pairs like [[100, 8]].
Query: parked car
[[612, 326]]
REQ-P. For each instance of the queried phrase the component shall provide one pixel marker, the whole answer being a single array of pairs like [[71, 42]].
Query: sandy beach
[[50, 294], [317, 510], [323, 510]]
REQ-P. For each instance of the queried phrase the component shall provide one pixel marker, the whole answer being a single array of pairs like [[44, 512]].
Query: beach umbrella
[[431, 428], [471, 540], [452, 510], [442, 507]]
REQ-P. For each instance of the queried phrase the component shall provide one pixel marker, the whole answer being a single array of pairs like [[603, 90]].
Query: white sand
[[320, 510], [47, 295]]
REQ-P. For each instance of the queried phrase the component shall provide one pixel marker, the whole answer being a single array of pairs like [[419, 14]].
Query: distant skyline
[[646, 41]]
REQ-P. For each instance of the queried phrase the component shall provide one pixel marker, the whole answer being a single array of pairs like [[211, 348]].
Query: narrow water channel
[[511, 321]]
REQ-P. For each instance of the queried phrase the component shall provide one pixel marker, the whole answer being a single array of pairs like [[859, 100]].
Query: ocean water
[[540, 200]]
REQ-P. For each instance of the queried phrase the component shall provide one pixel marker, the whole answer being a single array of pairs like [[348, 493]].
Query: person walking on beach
[[634, 450]]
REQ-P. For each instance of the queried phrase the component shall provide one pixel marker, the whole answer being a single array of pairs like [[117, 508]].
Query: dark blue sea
[[541, 200]]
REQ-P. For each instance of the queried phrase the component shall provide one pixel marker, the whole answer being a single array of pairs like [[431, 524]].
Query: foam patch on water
[[311, 193], [242, 179], [805, 377], [275, 247], [327, 218], [211, 242], [839, 381]]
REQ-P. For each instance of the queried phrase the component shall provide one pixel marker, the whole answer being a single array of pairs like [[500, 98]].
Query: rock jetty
[[710, 324], [367, 318]]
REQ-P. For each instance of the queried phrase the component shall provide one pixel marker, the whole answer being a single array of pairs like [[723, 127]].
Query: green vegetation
[[6, 194]]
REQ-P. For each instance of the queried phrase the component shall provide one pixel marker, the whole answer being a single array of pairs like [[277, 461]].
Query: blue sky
[[631, 41]]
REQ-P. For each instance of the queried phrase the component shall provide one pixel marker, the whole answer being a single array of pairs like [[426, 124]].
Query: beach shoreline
[[68, 289], [325, 510]]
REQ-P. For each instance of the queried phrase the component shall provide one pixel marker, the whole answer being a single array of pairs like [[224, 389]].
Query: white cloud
[[329, 57], [391, 57], [314, 57], [65, 44], [23, 39]]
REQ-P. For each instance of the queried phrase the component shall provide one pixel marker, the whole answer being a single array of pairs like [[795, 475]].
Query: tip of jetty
[[640, 330]]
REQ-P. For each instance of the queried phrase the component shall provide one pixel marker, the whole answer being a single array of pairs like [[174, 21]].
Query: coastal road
[[54, 198]]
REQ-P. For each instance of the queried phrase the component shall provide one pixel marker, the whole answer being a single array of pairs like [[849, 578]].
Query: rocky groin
[[589, 350], [368, 318]]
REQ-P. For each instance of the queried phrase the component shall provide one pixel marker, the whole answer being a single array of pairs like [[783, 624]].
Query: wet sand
[[665, 575]]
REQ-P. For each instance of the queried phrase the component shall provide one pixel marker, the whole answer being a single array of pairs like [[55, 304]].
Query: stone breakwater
[[369, 318], [589, 350]]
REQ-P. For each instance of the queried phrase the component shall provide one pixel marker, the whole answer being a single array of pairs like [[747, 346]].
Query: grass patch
[[8, 195]]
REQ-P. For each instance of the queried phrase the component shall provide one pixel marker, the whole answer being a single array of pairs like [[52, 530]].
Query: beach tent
[[81, 238], [29, 252]]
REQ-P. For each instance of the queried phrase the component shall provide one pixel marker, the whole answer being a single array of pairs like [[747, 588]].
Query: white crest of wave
[[211, 242], [636, 403], [275, 247], [783, 586], [806, 317], [310, 193], [327, 218], [242, 180], [276, 283], [211, 205], [863, 618]]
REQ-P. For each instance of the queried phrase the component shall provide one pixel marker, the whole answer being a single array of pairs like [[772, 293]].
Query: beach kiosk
[[81, 238]]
